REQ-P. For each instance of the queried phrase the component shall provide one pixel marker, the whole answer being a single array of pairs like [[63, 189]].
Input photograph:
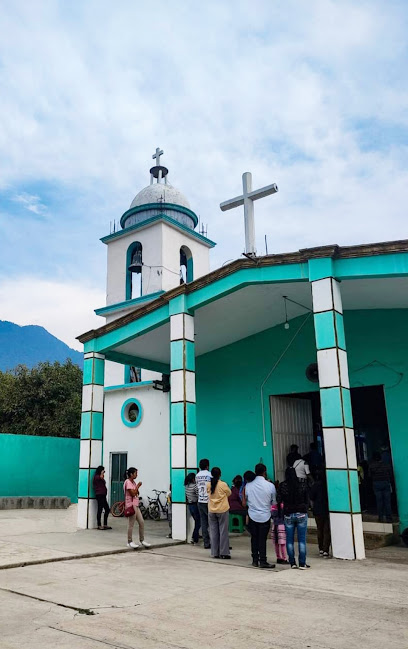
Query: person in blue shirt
[[260, 495]]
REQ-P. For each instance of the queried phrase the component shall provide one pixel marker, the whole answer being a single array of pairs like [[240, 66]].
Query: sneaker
[[293, 566], [255, 564], [169, 536], [146, 544], [321, 553], [282, 562], [326, 555], [225, 556], [133, 545], [265, 564], [303, 566]]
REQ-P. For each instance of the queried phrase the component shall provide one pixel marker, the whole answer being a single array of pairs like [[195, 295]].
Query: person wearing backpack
[[293, 493]]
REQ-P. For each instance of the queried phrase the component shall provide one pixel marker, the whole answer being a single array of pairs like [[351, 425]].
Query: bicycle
[[143, 510], [118, 509], [156, 507]]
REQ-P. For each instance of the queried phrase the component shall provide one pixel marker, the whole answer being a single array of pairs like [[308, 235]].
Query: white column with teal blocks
[[90, 454], [183, 411], [341, 463]]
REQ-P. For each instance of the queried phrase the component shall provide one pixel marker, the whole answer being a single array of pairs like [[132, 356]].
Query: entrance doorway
[[296, 419], [293, 422], [118, 476]]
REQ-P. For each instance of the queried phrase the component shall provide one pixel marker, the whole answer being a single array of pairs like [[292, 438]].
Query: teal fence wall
[[229, 414], [39, 466]]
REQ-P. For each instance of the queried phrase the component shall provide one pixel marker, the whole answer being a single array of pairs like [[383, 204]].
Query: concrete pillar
[[183, 411], [341, 464], [90, 455]]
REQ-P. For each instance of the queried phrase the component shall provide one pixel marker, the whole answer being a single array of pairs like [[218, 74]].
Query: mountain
[[31, 345]]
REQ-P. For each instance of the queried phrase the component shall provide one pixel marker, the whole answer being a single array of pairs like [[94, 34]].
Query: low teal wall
[[229, 414], [39, 466]]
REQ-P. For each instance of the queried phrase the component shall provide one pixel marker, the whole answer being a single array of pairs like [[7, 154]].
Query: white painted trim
[[179, 521], [176, 327], [177, 386], [178, 451], [322, 295], [335, 448], [342, 536]]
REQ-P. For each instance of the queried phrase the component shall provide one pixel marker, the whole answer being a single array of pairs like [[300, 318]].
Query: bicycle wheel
[[144, 511], [154, 512], [118, 508]]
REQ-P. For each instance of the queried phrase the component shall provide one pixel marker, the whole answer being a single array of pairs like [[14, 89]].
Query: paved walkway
[[35, 535], [178, 598]]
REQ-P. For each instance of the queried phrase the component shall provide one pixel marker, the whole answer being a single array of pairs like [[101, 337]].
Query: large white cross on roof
[[247, 200]]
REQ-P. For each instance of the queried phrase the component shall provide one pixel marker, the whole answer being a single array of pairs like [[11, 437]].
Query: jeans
[[102, 505], [219, 534], [203, 509], [382, 490], [259, 534], [193, 509], [298, 521], [323, 532]]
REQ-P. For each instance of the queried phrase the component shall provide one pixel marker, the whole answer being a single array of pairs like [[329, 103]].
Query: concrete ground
[[34, 535], [177, 597]]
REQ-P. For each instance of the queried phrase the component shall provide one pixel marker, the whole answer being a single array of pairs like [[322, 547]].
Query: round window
[[131, 412]]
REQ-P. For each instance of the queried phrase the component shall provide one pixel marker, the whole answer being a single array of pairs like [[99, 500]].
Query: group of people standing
[[210, 501]]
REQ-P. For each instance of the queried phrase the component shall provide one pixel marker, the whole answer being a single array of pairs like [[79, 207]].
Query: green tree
[[44, 400]]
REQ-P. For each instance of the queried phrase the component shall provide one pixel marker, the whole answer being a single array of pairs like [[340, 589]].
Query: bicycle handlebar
[[156, 491]]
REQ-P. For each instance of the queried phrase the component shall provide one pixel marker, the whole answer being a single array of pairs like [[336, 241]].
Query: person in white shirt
[[202, 477], [260, 495], [302, 469]]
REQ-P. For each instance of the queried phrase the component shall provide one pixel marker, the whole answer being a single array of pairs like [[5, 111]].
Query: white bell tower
[[156, 249]]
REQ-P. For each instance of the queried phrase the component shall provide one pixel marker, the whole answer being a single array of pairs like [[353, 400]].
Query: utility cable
[[288, 346]]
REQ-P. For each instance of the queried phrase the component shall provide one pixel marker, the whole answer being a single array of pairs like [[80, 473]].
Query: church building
[[239, 363]]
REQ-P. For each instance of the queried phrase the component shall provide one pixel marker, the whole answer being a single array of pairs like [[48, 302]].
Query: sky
[[311, 96]]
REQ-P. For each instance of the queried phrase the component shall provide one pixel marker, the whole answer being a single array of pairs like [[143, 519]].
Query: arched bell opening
[[134, 265], [186, 265]]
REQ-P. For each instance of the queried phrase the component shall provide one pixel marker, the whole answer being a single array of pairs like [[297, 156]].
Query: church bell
[[136, 262]]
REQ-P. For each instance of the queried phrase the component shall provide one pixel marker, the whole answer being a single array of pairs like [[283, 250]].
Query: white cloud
[[30, 202], [277, 88], [64, 309]]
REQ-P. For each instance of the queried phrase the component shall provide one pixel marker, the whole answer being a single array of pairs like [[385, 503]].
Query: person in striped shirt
[[191, 489]]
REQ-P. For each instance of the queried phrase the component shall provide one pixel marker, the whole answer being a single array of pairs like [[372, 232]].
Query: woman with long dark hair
[[294, 496], [218, 515], [191, 489], [131, 490], [101, 491]]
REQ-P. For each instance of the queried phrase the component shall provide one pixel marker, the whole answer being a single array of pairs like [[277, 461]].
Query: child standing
[[278, 533]]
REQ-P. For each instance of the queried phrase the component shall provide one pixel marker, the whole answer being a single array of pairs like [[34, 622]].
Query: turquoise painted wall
[[229, 417], [39, 466]]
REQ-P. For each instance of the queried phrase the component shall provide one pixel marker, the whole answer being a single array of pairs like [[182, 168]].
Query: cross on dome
[[157, 155], [158, 171]]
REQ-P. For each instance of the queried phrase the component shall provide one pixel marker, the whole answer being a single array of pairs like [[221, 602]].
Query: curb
[[87, 555]]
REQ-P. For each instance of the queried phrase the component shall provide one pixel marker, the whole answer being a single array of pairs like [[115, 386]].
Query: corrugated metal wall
[[292, 423]]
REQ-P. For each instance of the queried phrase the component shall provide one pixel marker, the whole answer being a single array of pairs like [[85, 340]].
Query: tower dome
[[159, 199], [160, 193]]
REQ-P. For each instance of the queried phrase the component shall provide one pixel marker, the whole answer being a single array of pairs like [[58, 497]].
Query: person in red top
[[235, 502], [99, 486]]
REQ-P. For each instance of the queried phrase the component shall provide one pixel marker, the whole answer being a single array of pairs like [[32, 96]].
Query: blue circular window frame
[[131, 424]]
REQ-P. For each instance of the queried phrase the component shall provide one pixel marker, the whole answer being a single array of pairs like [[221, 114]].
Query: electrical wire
[[274, 368]]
